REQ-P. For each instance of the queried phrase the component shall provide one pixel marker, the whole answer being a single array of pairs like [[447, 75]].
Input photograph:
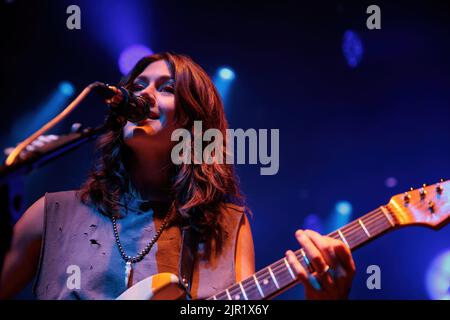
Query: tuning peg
[[422, 191], [431, 206], [406, 197], [439, 188]]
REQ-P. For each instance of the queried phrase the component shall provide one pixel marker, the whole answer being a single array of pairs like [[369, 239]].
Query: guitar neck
[[277, 277]]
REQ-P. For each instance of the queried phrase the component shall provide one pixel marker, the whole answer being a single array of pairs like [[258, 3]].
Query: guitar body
[[161, 286]]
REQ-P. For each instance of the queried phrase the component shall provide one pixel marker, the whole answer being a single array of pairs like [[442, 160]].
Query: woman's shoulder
[[233, 214], [63, 198], [233, 207], [63, 195]]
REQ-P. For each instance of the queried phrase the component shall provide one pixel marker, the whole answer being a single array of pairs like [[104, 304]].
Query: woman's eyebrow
[[159, 80], [163, 79], [141, 78]]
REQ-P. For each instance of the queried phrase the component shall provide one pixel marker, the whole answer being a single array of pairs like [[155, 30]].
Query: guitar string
[[372, 220], [280, 273], [350, 233], [366, 219], [368, 223], [276, 266], [280, 265], [369, 218], [356, 238], [278, 269]]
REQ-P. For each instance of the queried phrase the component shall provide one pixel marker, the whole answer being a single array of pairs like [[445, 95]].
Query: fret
[[304, 261], [235, 292], [364, 228], [243, 291], [289, 268], [228, 294], [258, 286], [352, 233], [387, 215], [341, 235], [250, 289], [266, 282], [282, 273], [273, 278], [355, 233], [376, 223]]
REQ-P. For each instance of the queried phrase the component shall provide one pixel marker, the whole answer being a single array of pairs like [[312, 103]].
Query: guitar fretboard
[[278, 276]]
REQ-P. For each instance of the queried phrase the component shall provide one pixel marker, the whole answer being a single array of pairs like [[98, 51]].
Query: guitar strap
[[187, 258]]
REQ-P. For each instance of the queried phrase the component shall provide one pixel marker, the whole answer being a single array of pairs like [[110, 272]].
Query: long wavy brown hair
[[199, 190]]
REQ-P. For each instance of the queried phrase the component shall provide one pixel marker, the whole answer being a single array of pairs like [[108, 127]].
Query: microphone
[[126, 104]]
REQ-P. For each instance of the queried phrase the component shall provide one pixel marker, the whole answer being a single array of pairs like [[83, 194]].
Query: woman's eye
[[167, 88], [137, 87]]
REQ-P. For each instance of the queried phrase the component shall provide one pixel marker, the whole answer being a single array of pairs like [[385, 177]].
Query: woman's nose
[[149, 93], [149, 90]]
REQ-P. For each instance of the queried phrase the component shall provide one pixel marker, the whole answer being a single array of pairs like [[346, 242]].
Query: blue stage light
[[391, 182], [66, 88], [340, 215], [222, 80], [352, 48], [344, 208], [226, 73], [438, 277], [313, 222], [33, 120], [131, 55]]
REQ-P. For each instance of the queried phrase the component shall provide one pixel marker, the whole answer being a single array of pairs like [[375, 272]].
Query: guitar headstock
[[429, 206]]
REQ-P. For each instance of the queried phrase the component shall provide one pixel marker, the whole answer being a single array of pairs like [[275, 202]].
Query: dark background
[[343, 130]]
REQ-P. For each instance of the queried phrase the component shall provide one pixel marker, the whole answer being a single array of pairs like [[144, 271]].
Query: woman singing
[[125, 223]]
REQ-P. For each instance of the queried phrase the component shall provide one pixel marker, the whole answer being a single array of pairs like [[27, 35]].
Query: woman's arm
[[245, 252], [22, 258]]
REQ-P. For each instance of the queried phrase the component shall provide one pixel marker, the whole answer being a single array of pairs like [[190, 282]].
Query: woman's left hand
[[332, 265]]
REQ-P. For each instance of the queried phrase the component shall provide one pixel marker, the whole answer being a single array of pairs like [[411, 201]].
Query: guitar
[[428, 206]]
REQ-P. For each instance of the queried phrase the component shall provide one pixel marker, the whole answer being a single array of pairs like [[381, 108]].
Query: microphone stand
[[11, 178], [15, 167]]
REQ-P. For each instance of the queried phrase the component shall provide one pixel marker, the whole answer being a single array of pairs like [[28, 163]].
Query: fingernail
[[314, 282]]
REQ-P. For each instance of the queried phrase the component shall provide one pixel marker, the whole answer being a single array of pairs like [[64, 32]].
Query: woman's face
[[155, 83]]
